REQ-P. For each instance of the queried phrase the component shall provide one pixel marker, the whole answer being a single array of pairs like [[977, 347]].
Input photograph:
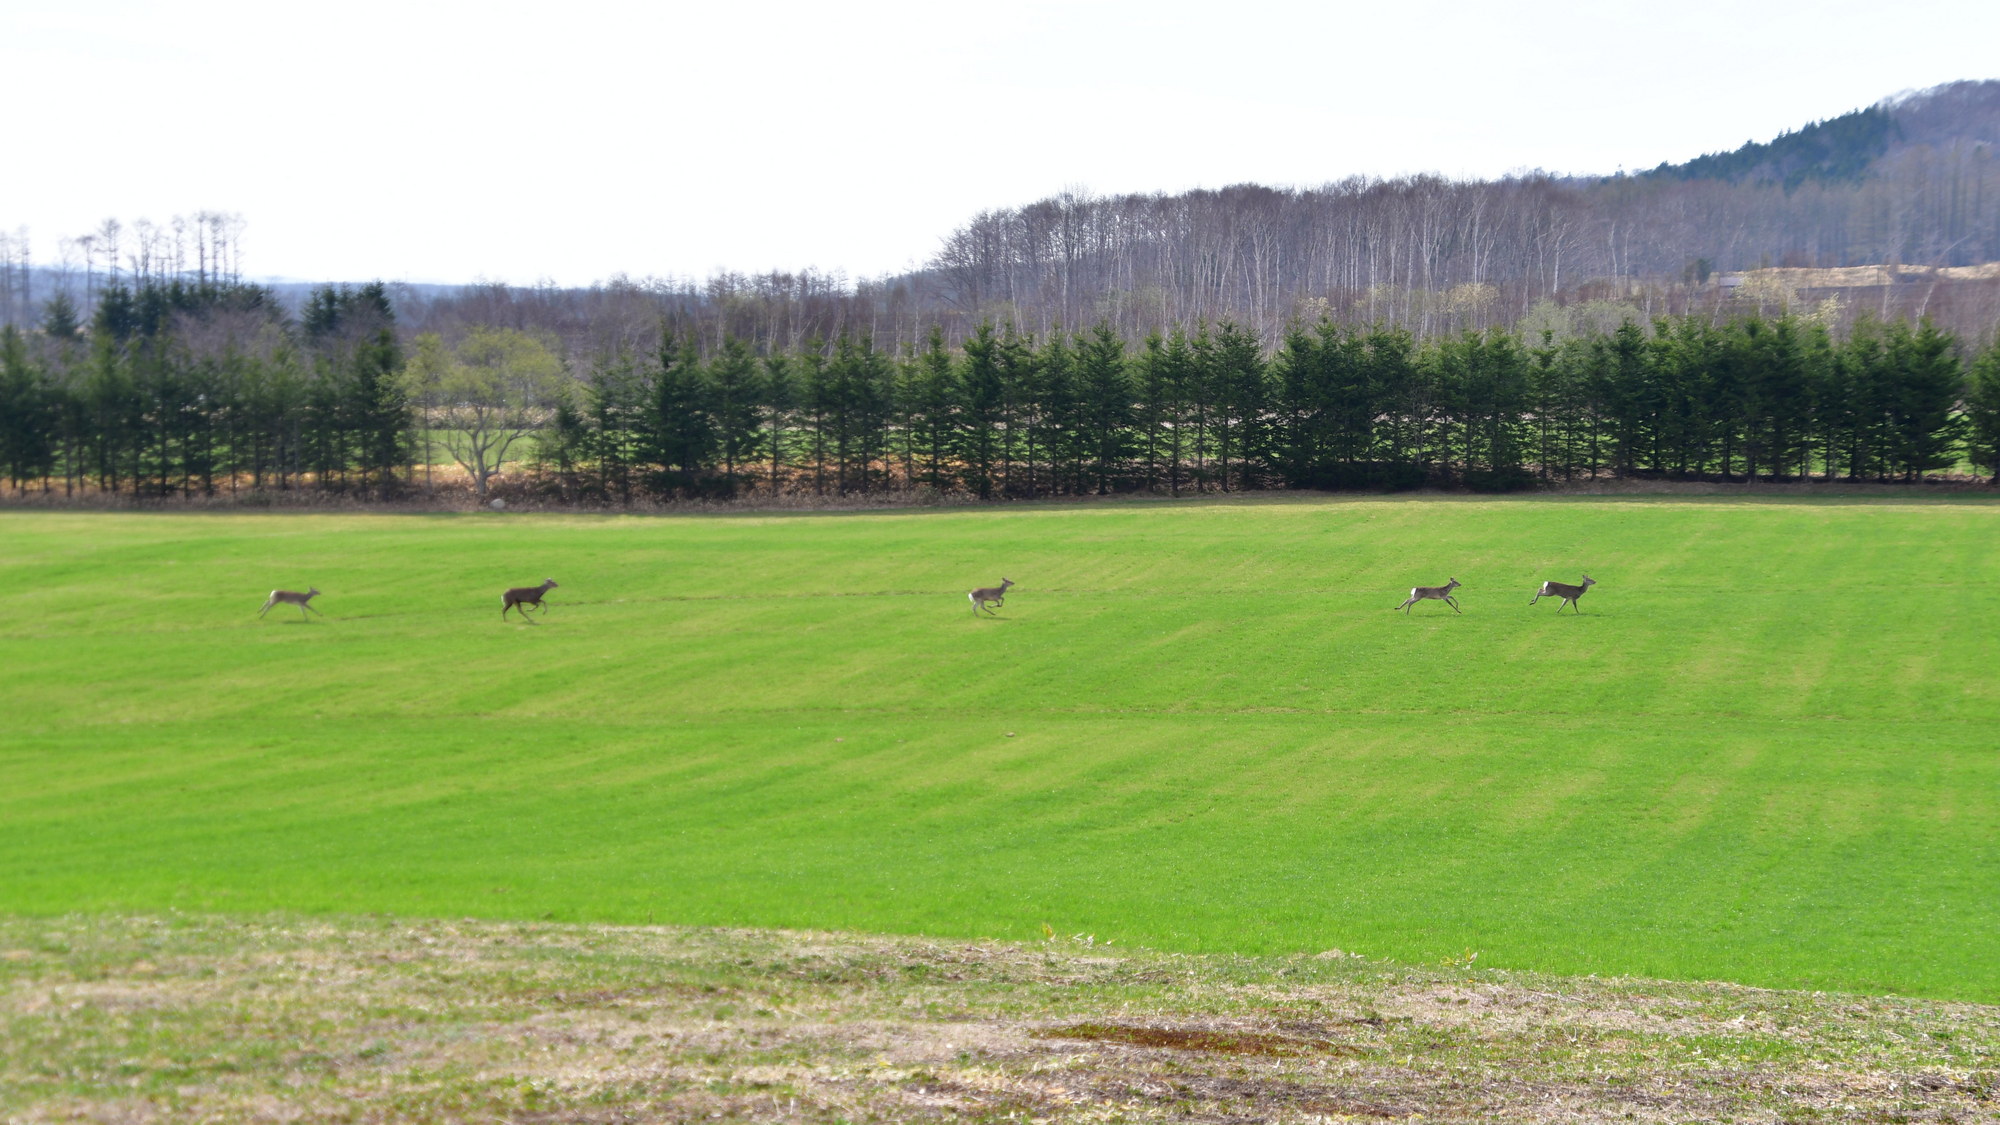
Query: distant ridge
[[1838, 150], [1847, 148]]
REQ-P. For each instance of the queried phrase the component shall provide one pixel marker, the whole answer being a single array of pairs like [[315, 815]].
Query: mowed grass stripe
[[1762, 753]]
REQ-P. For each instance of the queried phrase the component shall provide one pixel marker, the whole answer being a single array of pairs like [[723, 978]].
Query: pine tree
[[1866, 391], [777, 397], [379, 410], [1014, 359], [59, 318], [933, 400], [1774, 401], [978, 439], [1058, 416], [1243, 401], [1982, 412], [615, 417], [1105, 405], [563, 446], [1925, 424], [27, 413], [734, 395], [680, 435], [818, 405], [1299, 406]]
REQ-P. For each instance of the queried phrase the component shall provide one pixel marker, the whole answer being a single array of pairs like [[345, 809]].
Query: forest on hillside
[[1909, 184]]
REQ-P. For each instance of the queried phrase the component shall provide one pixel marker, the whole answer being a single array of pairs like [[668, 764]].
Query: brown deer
[[1568, 593], [995, 595], [1432, 593], [525, 596], [292, 597]]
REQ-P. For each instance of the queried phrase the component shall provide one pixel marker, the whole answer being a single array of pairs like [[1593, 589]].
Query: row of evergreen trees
[[1336, 406], [198, 388], [184, 387]]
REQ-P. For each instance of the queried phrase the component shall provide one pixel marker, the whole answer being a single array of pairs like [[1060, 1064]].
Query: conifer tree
[[778, 396], [933, 396], [985, 399], [1299, 406], [1242, 402], [27, 413], [1104, 405], [614, 409], [1925, 424], [1982, 412], [680, 439], [734, 405]]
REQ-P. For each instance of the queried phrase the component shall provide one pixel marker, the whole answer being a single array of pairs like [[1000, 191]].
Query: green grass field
[[1766, 752]]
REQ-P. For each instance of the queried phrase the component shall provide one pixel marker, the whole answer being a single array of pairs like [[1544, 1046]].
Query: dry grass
[[205, 1018], [1855, 277]]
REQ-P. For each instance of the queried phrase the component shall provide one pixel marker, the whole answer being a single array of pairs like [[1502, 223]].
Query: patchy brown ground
[[200, 1018]]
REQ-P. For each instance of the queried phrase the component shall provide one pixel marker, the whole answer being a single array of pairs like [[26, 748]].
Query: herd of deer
[[519, 598], [523, 598], [1568, 593]]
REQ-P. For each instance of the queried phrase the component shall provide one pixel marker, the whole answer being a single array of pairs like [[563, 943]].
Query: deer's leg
[[265, 610], [1453, 603], [303, 605]]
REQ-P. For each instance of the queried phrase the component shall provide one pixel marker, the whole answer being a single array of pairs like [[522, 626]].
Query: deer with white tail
[[1568, 593], [522, 597], [1432, 594], [986, 597], [292, 597]]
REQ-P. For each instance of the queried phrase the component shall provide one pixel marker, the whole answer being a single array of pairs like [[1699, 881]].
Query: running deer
[[525, 596], [1433, 593], [292, 597], [996, 595], [1565, 591]]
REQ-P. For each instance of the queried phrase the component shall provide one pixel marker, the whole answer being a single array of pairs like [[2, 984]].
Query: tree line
[[182, 387], [189, 387]]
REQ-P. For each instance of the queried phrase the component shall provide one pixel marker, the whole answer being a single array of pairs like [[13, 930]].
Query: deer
[[1568, 593], [292, 597], [524, 596], [1432, 593], [995, 595]]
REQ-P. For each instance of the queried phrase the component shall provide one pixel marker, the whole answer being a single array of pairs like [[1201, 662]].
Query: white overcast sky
[[573, 141]]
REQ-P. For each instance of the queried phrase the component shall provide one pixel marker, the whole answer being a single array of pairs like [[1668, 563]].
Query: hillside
[[1909, 182], [1840, 149], [1959, 118]]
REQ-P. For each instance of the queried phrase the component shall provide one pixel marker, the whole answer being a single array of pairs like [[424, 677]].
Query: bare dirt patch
[[271, 1019]]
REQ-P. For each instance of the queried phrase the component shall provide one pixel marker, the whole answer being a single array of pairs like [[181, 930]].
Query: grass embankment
[[249, 1019], [1764, 753]]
